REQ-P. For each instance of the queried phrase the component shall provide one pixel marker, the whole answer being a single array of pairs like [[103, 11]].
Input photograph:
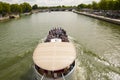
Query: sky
[[51, 2]]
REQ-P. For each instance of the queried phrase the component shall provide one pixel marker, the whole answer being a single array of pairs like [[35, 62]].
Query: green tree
[[110, 4], [35, 6], [0, 7], [5, 9], [89, 6], [26, 7], [94, 5], [80, 6], [103, 4], [15, 8], [117, 4]]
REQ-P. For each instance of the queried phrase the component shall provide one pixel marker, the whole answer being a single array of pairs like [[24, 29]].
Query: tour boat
[[54, 59]]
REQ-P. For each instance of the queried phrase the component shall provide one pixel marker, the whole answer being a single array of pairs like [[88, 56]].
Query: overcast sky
[[51, 2]]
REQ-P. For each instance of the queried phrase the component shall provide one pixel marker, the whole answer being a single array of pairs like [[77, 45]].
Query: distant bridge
[[60, 9], [53, 9]]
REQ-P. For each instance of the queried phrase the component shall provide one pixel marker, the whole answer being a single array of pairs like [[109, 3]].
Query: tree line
[[6, 8], [102, 5]]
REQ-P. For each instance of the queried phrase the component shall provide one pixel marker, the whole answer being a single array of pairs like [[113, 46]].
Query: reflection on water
[[97, 43]]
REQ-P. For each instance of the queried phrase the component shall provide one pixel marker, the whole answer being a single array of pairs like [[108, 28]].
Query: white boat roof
[[54, 55]]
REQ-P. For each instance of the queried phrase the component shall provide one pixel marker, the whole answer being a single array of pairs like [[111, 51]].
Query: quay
[[115, 21], [12, 16]]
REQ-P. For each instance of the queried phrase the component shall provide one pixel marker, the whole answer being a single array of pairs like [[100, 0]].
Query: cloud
[[50, 2], [10, 1]]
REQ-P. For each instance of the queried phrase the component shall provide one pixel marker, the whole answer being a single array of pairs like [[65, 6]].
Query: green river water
[[97, 43]]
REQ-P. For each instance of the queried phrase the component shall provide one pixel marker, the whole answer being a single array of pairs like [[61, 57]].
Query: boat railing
[[63, 76], [42, 77], [57, 74]]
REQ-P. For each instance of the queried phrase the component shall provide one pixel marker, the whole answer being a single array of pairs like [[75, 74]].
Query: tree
[[110, 5], [80, 6], [117, 4], [94, 5], [15, 8], [5, 9], [103, 4], [26, 7], [89, 6], [35, 6], [0, 7]]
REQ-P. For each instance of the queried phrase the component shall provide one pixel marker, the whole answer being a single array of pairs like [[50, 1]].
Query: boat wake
[[80, 72]]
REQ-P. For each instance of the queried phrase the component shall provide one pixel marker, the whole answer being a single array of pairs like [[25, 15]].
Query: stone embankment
[[9, 17], [111, 20]]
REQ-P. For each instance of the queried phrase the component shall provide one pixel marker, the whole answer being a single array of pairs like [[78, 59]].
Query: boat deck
[[54, 55]]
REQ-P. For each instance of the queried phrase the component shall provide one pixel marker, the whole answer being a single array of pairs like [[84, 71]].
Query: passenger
[[50, 32], [64, 32], [66, 39], [46, 72], [66, 35]]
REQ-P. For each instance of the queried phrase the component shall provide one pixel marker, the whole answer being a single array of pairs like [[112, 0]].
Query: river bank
[[13, 16], [4, 18], [111, 20]]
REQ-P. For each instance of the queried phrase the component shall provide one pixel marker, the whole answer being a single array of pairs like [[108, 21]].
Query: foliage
[[26, 7], [35, 6], [6, 8], [102, 5], [82, 6], [95, 5], [0, 7], [15, 8]]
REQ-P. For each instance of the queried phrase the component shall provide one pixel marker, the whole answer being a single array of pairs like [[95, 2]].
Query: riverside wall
[[111, 20]]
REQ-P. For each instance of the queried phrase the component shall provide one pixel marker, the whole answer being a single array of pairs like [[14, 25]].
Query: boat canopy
[[54, 56]]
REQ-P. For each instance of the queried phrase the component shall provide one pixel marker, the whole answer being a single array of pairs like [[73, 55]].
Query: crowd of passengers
[[57, 33]]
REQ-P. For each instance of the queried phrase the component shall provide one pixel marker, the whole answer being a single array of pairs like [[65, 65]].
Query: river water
[[97, 43]]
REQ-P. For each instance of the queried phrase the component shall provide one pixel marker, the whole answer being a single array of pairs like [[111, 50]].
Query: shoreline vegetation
[[10, 11], [105, 8]]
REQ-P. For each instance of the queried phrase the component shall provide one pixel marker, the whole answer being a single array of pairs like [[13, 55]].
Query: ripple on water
[[91, 66]]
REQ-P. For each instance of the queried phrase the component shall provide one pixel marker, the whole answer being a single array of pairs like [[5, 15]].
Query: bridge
[[53, 9]]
